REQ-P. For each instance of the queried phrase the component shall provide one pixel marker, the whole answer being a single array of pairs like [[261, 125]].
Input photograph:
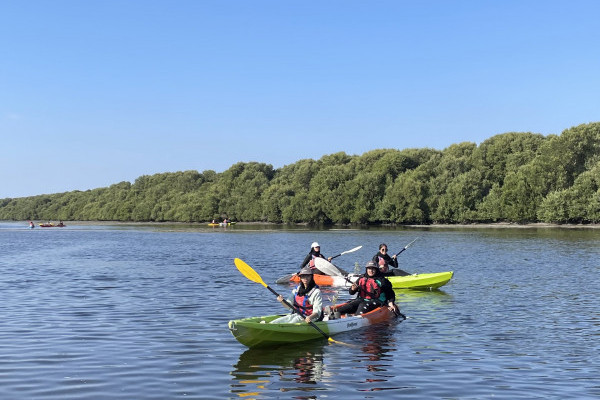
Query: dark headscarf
[[303, 290]]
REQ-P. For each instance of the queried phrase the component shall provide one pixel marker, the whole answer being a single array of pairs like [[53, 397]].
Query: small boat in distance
[[222, 224], [51, 225]]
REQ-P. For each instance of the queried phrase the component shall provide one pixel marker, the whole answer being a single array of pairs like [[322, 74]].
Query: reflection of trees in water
[[300, 363]]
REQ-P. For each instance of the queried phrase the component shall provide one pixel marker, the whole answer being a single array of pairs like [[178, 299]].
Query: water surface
[[135, 311]]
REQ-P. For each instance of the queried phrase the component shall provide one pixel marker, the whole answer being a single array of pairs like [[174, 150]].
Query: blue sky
[[97, 92]]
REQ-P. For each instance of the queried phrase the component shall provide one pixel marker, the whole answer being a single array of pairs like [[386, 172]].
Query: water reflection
[[296, 367], [435, 296], [379, 345]]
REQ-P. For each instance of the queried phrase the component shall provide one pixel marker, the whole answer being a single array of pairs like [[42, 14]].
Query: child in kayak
[[315, 251], [384, 261], [374, 290], [306, 298]]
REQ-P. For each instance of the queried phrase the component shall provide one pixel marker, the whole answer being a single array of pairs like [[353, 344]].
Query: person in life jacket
[[385, 261], [374, 290], [309, 260], [306, 299]]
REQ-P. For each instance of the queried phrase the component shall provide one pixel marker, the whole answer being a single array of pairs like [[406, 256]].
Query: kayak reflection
[[429, 296], [259, 368], [378, 359]]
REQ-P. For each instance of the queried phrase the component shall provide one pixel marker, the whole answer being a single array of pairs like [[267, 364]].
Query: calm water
[[140, 312]]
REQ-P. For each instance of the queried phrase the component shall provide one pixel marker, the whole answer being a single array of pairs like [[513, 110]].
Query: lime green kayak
[[421, 281], [258, 332]]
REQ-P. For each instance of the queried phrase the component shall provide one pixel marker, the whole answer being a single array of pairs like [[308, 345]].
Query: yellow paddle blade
[[248, 272], [330, 340]]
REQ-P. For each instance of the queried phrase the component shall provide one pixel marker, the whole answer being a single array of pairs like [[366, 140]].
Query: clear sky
[[95, 92]]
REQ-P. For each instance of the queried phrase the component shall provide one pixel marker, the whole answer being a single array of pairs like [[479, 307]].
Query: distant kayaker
[[374, 290], [384, 261], [306, 298], [315, 251]]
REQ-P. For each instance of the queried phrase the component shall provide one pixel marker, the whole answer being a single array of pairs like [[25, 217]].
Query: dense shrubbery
[[516, 177]]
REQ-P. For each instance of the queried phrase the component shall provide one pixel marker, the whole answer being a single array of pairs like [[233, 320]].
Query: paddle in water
[[252, 275], [286, 278]]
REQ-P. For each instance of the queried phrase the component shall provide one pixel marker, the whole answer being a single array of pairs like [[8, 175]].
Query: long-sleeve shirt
[[314, 297], [392, 262], [309, 257]]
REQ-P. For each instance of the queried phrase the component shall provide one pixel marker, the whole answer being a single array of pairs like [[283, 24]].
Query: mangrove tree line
[[512, 177]]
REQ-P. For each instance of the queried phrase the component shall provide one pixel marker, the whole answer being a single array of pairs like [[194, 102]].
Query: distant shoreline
[[500, 225]]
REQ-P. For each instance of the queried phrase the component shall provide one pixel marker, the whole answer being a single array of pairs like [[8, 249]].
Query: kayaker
[[315, 251], [306, 298], [374, 290], [384, 261]]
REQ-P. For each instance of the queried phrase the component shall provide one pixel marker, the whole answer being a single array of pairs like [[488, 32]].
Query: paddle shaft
[[286, 278], [346, 252], [406, 247]]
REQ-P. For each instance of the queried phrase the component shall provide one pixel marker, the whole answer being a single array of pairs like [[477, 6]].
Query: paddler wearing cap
[[309, 260], [306, 298], [374, 290]]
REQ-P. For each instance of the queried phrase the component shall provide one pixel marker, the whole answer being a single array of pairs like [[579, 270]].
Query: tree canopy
[[510, 177]]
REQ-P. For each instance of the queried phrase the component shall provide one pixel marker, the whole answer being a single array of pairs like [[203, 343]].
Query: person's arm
[[326, 258], [394, 262], [290, 300], [306, 260], [390, 295], [354, 288]]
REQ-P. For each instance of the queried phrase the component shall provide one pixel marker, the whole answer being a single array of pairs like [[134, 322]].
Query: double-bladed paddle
[[252, 275], [286, 278]]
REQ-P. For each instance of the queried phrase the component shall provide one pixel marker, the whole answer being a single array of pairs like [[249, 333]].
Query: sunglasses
[[383, 249]]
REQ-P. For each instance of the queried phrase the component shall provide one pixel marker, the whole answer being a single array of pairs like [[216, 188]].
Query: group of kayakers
[[373, 289]]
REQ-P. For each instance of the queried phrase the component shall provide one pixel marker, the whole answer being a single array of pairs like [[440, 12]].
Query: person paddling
[[374, 290], [384, 261], [306, 298], [309, 260]]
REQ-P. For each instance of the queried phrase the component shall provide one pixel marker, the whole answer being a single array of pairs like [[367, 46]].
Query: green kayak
[[258, 332], [421, 281]]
